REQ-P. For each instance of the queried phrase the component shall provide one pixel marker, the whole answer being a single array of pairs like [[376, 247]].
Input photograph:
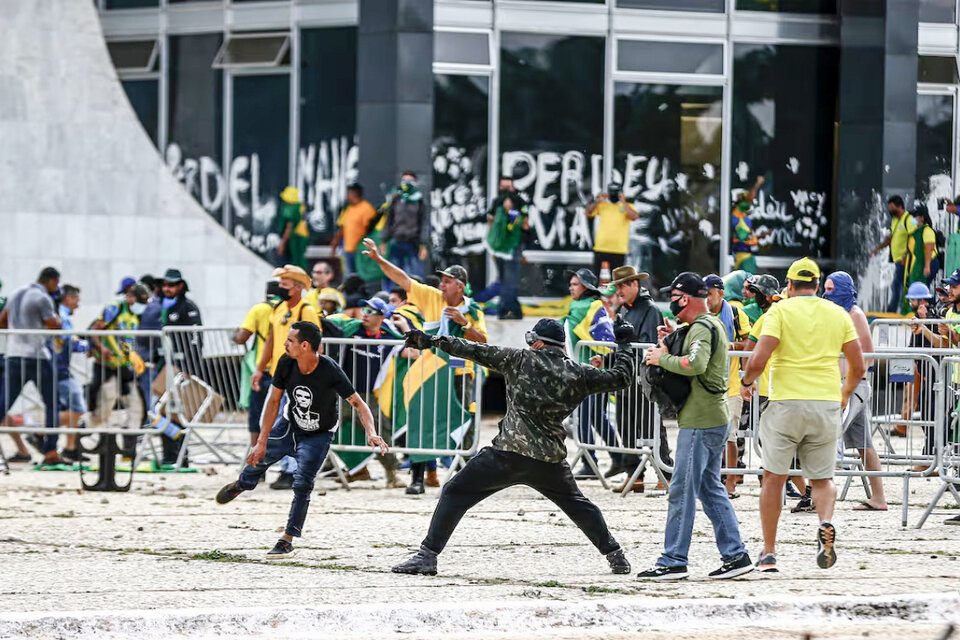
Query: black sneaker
[[618, 562], [826, 554], [282, 550], [285, 481], [74, 455], [659, 572], [737, 566], [804, 505], [614, 470], [792, 491], [424, 562], [415, 489], [953, 520], [228, 493]]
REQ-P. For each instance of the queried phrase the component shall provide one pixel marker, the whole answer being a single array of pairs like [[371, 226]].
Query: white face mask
[[138, 308]]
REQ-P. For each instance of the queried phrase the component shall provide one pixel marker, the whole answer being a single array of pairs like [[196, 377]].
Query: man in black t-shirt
[[312, 383]]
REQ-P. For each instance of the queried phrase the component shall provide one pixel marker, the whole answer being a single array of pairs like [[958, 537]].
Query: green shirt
[[753, 311], [708, 363]]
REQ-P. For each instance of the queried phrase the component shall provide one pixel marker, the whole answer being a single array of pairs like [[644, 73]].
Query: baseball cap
[[454, 271], [609, 290], [918, 291], [548, 330], [125, 284], [714, 281], [953, 279], [379, 306], [803, 270], [689, 283]]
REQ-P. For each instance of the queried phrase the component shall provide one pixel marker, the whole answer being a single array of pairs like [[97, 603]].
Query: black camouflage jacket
[[543, 387]]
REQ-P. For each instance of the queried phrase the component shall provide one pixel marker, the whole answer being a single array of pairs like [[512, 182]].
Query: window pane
[[133, 55], [713, 6], [783, 129], [130, 4], [261, 150], [937, 69], [938, 11], [934, 148], [257, 51], [327, 161], [459, 198], [551, 139], [667, 153], [464, 48], [679, 57], [789, 6], [195, 105], [143, 97]]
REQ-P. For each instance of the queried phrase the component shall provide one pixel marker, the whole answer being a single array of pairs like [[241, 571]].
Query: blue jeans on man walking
[[309, 450], [697, 475], [406, 256], [896, 289]]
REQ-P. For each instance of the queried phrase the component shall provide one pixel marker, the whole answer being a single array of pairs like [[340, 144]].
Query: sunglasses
[[367, 311], [286, 318]]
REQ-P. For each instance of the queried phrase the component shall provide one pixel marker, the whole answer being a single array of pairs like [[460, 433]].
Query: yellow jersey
[[612, 230], [284, 317]]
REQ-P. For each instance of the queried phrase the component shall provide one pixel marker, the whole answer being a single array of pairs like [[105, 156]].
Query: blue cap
[[125, 284], [954, 279], [378, 305], [918, 291], [714, 281]]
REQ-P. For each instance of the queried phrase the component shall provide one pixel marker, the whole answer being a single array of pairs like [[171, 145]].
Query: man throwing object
[[543, 387]]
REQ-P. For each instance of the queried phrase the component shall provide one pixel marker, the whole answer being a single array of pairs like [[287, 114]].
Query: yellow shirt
[[282, 319], [354, 220], [257, 322], [740, 337], [313, 297], [812, 332], [900, 230], [431, 304], [613, 229], [929, 236]]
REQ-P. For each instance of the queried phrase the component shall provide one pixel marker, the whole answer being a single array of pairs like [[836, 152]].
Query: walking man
[[802, 338], [703, 421], [543, 387], [313, 383], [902, 226]]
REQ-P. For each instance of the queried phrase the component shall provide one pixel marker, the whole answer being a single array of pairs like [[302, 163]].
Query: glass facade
[[934, 146], [944, 11], [142, 95]]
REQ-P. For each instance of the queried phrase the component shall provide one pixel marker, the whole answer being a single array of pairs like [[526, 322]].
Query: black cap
[[550, 331], [454, 271], [587, 278], [689, 283]]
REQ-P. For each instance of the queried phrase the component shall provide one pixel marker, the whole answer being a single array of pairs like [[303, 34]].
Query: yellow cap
[[290, 195], [803, 270]]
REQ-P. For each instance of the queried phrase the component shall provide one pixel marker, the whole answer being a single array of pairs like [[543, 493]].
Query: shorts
[[807, 429], [70, 396], [856, 425], [735, 403]]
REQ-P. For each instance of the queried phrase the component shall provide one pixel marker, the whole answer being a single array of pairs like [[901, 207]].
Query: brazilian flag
[[436, 419]]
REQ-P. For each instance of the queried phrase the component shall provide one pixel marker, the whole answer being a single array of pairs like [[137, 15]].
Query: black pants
[[492, 471]]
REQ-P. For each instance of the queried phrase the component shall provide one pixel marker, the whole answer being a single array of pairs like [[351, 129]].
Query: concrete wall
[[81, 185]]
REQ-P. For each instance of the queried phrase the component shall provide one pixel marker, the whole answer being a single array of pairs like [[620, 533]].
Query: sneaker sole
[[826, 555], [276, 556], [665, 578], [739, 571], [413, 573]]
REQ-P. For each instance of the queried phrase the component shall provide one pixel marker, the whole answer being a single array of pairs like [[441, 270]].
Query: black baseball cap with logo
[[454, 271], [689, 283]]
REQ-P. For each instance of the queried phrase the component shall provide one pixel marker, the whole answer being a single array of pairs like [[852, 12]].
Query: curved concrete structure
[[81, 185]]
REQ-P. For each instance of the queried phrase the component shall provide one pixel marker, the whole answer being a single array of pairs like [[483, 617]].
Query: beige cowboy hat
[[623, 275], [295, 273]]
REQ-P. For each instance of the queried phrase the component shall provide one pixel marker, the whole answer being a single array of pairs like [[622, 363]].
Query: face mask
[[675, 307], [137, 308], [283, 294], [168, 302]]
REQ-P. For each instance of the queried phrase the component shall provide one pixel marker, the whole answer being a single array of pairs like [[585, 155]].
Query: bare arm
[[756, 188], [392, 271], [3, 319], [366, 419], [240, 336], [883, 245], [862, 325], [592, 206], [474, 335], [53, 323], [927, 257], [856, 368], [265, 358], [628, 209]]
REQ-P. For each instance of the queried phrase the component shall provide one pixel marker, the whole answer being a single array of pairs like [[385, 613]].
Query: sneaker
[[584, 473], [424, 562], [20, 458], [285, 481], [659, 572], [282, 550], [415, 489], [618, 562], [732, 568], [614, 470], [826, 554], [228, 493], [792, 491], [953, 520], [767, 563], [804, 505]]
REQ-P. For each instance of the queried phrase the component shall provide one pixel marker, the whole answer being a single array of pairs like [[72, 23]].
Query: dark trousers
[[310, 452], [636, 420], [18, 372], [896, 289], [508, 271], [614, 259], [257, 398], [492, 471]]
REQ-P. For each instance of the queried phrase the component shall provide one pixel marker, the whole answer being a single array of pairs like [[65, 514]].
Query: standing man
[[27, 358], [703, 421], [256, 322], [322, 278], [744, 237], [313, 382], [802, 339], [69, 390], [902, 226], [614, 214], [407, 230], [291, 309], [352, 225], [543, 387], [635, 414], [505, 241]]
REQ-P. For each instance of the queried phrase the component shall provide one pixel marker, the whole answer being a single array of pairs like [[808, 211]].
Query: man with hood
[[293, 229], [840, 289], [587, 319]]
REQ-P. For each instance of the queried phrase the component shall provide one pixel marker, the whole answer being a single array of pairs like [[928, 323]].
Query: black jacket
[[644, 315], [187, 346]]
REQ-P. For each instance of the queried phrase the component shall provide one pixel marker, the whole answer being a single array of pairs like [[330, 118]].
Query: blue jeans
[[697, 475], [509, 273], [310, 452], [350, 261], [257, 398], [593, 414], [896, 289], [18, 372], [405, 255]]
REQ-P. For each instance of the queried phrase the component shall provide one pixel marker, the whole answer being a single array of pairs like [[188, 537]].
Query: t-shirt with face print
[[312, 398]]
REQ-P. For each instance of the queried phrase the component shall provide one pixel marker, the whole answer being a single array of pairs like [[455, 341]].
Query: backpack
[[670, 390]]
